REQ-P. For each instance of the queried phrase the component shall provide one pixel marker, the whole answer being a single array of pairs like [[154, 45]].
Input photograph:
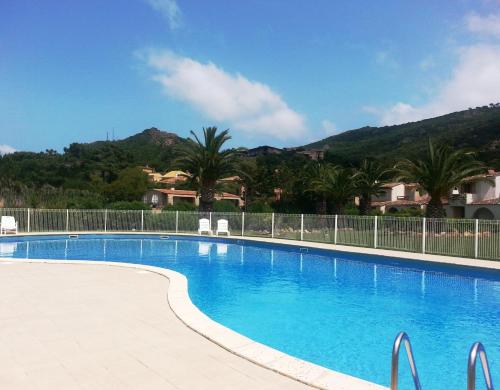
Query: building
[[399, 196], [173, 177], [479, 198], [159, 198]]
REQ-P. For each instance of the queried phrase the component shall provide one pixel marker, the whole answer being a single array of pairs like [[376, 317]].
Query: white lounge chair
[[222, 227], [8, 224], [204, 226]]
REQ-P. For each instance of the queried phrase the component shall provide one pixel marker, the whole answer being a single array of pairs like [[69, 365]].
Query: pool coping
[[404, 255], [242, 346]]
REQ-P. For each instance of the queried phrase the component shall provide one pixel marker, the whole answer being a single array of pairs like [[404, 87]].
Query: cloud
[[475, 81], [6, 149], [170, 11], [485, 25], [245, 105], [329, 127]]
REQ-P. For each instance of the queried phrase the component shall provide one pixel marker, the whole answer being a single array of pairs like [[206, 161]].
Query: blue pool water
[[339, 310]]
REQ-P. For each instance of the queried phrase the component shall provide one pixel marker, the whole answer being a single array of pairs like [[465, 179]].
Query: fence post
[[29, 212], [106, 220], [476, 240], [301, 227], [67, 220], [336, 229], [177, 221], [210, 219], [424, 233], [375, 232], [142, 220], [242, 224], [272, 225]]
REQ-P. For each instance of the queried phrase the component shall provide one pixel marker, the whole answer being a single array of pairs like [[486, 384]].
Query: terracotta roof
[[402, 202], [491, 173], [176, 192], [225, 195], [391, 185], [487, 201]]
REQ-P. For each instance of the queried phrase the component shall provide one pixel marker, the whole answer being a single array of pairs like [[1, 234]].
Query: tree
[[334, 184], [207, 163], [369, 180], [129, 186], [441, 170]]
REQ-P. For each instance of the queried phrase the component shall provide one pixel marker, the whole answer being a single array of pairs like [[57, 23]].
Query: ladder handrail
[[478, 348], [403, 337]]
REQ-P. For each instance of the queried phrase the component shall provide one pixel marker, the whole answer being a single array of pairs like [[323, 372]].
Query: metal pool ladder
[[478, 348], [402, 337]]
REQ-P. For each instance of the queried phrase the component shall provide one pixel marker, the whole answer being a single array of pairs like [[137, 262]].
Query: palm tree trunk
[[207, 197], [365, 205], [435, 209], [321, 206], [338, 208]]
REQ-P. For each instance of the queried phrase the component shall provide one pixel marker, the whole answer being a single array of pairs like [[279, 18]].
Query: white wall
[[484, 190], [398, 190]]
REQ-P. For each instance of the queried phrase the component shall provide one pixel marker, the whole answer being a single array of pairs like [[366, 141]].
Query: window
[[154, 199]]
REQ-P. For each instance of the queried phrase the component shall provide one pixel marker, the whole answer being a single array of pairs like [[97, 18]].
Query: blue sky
[[275, 72]]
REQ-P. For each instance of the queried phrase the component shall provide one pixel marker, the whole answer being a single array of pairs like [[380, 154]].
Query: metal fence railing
[[452, 237]]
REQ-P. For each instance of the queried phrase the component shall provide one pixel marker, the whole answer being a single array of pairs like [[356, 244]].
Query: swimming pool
[[339, 310]]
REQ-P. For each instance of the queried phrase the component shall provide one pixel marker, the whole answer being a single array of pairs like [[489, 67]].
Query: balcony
[[463, 199]]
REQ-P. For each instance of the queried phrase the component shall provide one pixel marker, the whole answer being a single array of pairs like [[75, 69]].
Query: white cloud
[[6, 149], [484, 25], [329, 127], [475, 81], [245, 105], [170, 11]]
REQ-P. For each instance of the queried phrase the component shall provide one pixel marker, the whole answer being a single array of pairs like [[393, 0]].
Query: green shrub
[[181, 206], [226, 206], [259, 207], [133, 205]]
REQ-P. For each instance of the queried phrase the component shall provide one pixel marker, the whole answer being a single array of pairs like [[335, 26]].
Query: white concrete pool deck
[[180, 358], [95, 327]]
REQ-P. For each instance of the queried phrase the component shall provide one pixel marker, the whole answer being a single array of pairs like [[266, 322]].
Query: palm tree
[[334, 184], [370, 178], [207, 162], [441, 170]]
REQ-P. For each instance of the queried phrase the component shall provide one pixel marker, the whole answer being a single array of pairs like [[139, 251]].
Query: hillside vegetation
[[477, 130], [102, 173]]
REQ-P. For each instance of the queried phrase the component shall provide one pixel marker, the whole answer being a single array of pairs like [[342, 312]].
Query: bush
[[259, 207], [181, 206], [226, 206], [124, 205]]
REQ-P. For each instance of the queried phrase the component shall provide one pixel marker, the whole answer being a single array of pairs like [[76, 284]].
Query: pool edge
[[242, 346]]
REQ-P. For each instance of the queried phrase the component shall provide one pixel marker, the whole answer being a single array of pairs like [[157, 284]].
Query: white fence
[[453, 237]]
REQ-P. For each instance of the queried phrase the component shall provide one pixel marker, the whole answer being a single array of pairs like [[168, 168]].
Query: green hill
[[476, 129]]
